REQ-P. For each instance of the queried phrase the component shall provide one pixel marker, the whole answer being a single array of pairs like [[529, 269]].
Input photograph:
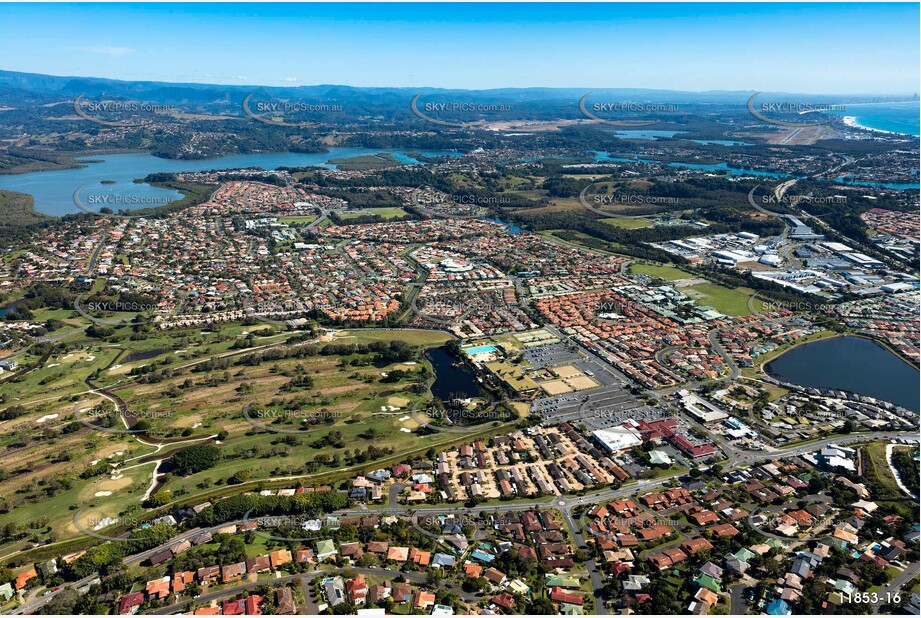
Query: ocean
[[900, 118]]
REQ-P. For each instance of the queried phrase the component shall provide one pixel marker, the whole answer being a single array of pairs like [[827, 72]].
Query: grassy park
[[660, 271]]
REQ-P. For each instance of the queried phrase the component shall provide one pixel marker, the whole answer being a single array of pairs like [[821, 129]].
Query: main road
[[564, 504]]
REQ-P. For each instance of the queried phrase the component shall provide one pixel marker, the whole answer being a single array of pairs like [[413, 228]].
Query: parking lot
[[550, 355], [587, 406]]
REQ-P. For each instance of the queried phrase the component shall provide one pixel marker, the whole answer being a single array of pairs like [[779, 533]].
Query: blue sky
[[814, 48]]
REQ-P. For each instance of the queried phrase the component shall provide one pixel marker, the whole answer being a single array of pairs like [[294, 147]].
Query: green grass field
[[879, 470], [377, 161], [669, 273], [627, 224], [727, 301], [300, 220], [410, 336], [384, 213], [581, 241]]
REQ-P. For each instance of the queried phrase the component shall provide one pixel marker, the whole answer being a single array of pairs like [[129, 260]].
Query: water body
[[852, 364], [451, 381], [720, 142], [511, 227], [708, 167], [901, 118], [53, 190], [655, 135], [847, 180], [644, 134]]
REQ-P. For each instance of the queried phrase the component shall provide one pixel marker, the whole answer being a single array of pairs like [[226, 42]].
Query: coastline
[[852, 121], [18, 203], [68, 161]]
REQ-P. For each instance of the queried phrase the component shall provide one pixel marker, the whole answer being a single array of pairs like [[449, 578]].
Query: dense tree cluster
[[194, 459]]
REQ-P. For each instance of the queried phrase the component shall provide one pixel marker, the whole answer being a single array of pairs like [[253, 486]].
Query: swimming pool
[[482, 349]]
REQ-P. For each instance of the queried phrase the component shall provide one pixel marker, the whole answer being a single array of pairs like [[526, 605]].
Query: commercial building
[[618, 438]]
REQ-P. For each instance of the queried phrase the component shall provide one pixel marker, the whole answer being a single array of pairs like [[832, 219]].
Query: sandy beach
[[851, 121]]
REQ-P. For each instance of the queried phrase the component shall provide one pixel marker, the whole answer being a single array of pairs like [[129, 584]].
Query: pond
[[852, 364], [453, 380]]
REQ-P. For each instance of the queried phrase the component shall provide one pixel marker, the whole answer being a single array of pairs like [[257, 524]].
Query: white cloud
[[289, 79], [114, 52]]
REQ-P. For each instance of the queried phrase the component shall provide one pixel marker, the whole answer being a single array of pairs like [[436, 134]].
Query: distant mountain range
[[47, 87]]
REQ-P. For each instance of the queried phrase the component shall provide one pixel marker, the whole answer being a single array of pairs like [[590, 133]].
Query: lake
[[451, 381], [644, 134], [511, 227], [852, 364], [708, 167], [720, 142], [53, 190], [847, 180], [657, 135]]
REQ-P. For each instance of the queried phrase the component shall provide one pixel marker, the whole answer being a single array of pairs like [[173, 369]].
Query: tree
[[194, 459], [67, 601], [240, 476], [230, 551], [541, 606], [158, 499]]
